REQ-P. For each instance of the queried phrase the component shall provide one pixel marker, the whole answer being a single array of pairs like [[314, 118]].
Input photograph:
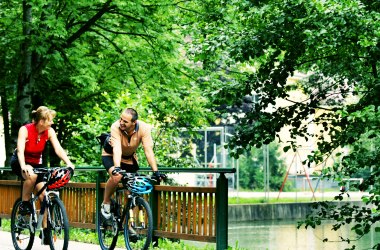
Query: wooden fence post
[[99, 197], [153, 202], [221, 198]]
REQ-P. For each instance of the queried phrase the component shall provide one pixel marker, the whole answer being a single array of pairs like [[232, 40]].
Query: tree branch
[[127, 16], [109, 40], [106, 7], [123, 33]]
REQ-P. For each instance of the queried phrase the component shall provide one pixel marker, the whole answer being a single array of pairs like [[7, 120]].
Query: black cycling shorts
[[16, 168], [108, 163]]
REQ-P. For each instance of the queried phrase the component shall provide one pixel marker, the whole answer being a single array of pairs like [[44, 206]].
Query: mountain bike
[[24, 226], [133, 217]]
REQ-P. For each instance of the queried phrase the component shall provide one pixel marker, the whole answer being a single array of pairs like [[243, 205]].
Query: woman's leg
[[41, 198], [29, 181]]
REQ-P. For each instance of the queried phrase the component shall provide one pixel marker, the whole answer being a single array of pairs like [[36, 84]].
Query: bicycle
[[134, 218], [24, 226]]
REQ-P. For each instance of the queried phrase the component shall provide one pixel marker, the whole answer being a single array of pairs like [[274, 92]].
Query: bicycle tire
[[22, 235], [108, 229], [143, 225], [58, 225]]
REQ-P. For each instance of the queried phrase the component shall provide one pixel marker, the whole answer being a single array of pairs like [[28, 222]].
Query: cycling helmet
[[140, 185], [59, 178]]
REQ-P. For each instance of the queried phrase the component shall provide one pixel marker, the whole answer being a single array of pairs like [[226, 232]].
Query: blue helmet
[[140, 185]]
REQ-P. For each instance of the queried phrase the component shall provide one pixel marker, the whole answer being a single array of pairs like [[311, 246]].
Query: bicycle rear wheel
[[22, 235], [58, 225], [138, 229], [108, 229]]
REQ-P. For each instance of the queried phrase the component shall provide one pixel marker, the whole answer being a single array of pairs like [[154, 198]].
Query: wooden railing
[[10, 191], [186, 213], [179, 212], [80, 203], [79, 200]]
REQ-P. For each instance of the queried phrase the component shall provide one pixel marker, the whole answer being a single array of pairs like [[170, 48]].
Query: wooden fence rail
[[188, 213], [183, 212]]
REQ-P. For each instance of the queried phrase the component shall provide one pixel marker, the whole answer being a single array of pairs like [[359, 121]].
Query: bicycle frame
[[125, 208], [24, 226], [133, 216], [132, 196], [37, 219]]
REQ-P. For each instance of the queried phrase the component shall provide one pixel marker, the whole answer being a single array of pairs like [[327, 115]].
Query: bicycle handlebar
[[45, 170], [128, 175]]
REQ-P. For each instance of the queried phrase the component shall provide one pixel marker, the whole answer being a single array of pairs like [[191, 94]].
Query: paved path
[[6, 238], [6, 244]]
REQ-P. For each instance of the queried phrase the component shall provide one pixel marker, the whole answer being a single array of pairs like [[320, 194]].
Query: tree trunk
[[25, 82], [9, 144], [25, 79]]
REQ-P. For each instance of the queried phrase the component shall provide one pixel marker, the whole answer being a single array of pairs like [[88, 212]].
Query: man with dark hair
[[127, 134]]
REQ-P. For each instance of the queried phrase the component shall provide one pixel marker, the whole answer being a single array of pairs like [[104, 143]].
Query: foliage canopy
[[253, 47], [89, 60], [177, 61]]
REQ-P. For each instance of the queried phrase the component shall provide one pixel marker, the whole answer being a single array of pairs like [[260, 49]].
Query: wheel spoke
[[108, 230], [22, 235], [138, 235], [59, 226]]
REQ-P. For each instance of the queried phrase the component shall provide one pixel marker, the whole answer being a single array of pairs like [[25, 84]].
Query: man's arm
[[153, 164], [115, 142], [151, 158]]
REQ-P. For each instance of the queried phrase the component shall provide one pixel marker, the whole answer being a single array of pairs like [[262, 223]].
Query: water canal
[[283, 234]]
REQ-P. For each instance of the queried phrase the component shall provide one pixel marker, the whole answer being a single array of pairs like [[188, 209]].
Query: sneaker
[[106, 210], [24, 208], [46, 240]]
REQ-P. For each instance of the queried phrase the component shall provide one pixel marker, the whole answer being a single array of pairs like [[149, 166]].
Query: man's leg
[[111, 184], [110, 189]]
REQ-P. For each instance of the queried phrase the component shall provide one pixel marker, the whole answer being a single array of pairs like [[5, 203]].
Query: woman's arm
[[21, 140]]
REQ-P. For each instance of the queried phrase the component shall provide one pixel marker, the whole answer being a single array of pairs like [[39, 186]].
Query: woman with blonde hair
[[31, 142]]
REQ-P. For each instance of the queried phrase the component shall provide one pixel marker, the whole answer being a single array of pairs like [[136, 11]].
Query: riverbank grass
[[90, 236]]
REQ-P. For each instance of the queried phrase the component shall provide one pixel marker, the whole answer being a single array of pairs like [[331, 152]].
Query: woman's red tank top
[[35, 145]]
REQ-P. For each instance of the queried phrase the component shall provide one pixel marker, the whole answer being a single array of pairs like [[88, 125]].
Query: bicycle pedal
[[108, 222], [133, 238]]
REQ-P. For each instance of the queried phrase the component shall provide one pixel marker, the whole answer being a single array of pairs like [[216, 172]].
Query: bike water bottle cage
[[140, 185], [59, 178]]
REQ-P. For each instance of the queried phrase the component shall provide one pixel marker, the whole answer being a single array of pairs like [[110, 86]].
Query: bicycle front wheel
[[58, 226], [138, 229], [108, 229], [21, 227]]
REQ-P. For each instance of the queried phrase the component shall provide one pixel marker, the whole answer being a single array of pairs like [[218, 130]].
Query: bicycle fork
[[37, 220], [41, 215], [140, 219]]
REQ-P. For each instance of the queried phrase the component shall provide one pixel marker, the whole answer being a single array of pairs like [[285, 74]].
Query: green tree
[[89, 60], [255, 46], [251, 168]]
